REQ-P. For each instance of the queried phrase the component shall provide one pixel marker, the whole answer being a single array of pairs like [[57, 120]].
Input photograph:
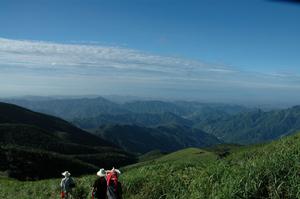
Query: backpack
[[71, 183], [112, 180]]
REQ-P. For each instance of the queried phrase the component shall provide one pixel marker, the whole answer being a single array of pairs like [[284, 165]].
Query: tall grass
[[270, 171], [264, 171]]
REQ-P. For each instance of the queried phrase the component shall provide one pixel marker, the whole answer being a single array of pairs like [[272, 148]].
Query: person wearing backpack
[[100, 185], [66, 185], [114, 187]]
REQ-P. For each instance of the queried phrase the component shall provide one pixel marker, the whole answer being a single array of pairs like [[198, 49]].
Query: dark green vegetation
[[165, 138], [11, 114], [32, 143], [259, 171], [31, 164]]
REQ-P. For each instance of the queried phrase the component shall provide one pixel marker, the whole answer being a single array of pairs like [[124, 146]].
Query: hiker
[[100, 186], [114, 187], [67, 184]]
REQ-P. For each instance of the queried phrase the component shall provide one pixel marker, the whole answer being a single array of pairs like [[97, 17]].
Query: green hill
[[31, 142], [258, 171], [151, 155], [13, 114], [34, 137]]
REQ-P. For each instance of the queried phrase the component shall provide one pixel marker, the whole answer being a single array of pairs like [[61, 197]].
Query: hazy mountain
[[155, 107], [93, 107], [155, 113], [256, 126], [140, 119], [230, 123], [165, 138], [70, 108]]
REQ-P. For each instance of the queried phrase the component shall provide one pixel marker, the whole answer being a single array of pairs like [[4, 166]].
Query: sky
[[226, 51]]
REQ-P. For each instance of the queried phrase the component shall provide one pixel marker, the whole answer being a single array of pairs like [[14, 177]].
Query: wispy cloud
[[46, 55], [85, 67]]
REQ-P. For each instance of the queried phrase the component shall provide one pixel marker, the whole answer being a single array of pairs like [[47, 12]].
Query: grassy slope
[[42, 136], [260, 171], [151, 155]]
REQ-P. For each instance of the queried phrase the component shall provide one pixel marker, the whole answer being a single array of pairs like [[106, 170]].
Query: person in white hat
[[100, 185], [66, 184]]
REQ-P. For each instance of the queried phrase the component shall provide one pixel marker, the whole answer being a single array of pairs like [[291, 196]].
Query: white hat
[[101, 173], [117, 171], [66, 174]]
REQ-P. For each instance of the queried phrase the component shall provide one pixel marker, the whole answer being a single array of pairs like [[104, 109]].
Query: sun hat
[[117, 171], [101, 173], [66, 174]]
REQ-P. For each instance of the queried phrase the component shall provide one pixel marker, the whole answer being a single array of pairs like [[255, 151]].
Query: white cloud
[[41, 55], [27, 64]]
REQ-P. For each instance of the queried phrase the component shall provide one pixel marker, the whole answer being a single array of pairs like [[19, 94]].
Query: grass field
[[260, 171]]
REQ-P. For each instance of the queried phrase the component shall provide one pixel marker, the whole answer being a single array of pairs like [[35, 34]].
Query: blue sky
[[206, 49]]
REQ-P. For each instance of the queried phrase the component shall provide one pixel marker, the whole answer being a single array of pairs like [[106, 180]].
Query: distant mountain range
[[255, 126], [93, 112], [229, 123], [69, 108], [140, 119], [30, 140], [167, 126]]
